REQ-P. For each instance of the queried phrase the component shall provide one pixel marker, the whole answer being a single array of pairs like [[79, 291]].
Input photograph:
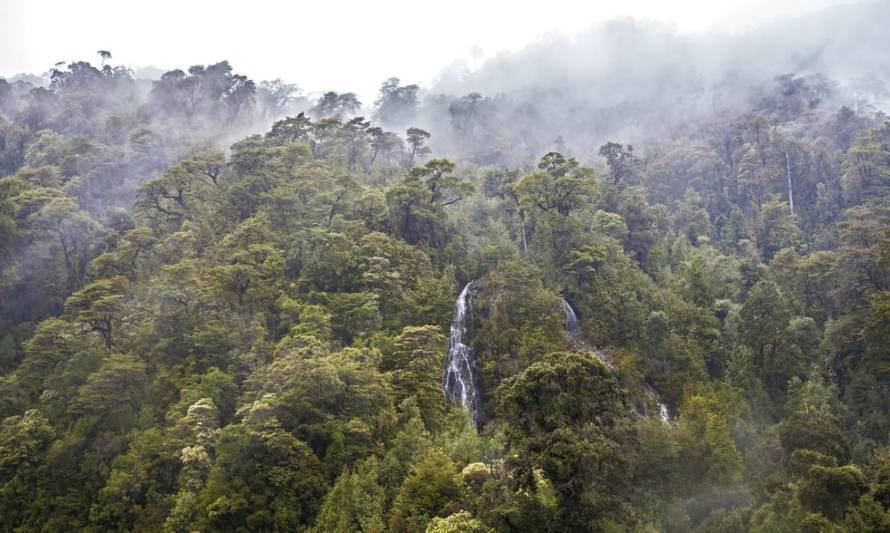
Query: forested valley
[[227, 306]]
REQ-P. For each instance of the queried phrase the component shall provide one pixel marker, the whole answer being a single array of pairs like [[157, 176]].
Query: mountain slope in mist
[[657, 79], [627, 59], [226, 307]]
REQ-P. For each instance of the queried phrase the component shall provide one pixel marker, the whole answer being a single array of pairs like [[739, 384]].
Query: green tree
[[460, 522], [24, 441], [564, 416], [416, 139], [561, 186], [867, 165], [262, 478], [417, 363], [707, 449], [445, 188], [764, 316], [831, 490], [114, 392], [354, 503], [96, 305], [397, 103], [623, 163], [431, 489], [776, 229]]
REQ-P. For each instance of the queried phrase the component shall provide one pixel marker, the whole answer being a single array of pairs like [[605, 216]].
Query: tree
[[105, 55], [132, 247], [624, 166], [417, 139], [48, 213], [868, 515], [867, 165], [276, 96], [385, 143], [355, 135], [250, 275], [867, 391], [114, 392], [6, 99], [815, 431], [396, 104], [146, 473], [460, 522], [417, 203], [184, 192], [776, 229], [429, 490], [564, 416], [355, 502], [316, 388], [24, 441], [463, 113], [708, 452], [212, 91], [97, 304], [290, 129], [765, 315], [550, 196], [831, 490], [561, 186], [240, 94], [334, 105], [860, 271], [262, 479], [445, 189], [417, 363], [209, 164]]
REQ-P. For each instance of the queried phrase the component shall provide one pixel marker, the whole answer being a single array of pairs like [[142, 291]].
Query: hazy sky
[[335, 44]]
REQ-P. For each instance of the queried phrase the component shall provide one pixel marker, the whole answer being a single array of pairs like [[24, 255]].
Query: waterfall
[[576, 342], [573, 334], [663, 412], [576, 339], [662, 408], [459, 382]]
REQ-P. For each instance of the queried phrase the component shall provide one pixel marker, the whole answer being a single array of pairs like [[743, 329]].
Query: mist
[[661, 82], [475, 267]]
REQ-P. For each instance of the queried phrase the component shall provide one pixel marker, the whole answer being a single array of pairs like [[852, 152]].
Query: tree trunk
[[108, 326], [790, 186], [522, 227]]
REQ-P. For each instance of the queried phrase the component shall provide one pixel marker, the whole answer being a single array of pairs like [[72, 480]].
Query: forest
[[226, 305]]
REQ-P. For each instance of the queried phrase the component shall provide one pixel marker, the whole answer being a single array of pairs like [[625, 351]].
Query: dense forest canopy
[[485, 305]]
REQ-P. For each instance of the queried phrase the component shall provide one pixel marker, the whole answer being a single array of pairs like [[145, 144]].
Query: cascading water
[[576, 342], [662, 408], [575, 338], [573, 334], [459, 382], [663, 412]]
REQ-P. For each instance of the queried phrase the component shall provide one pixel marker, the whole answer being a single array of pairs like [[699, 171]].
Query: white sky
[[330, 44]]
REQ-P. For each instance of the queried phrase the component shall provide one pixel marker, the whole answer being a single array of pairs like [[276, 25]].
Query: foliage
[[204, 333]]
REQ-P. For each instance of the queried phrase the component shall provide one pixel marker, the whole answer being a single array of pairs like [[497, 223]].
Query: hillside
[[226, 306]]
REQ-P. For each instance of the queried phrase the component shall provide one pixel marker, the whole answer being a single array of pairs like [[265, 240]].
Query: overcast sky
[[336, 44]]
